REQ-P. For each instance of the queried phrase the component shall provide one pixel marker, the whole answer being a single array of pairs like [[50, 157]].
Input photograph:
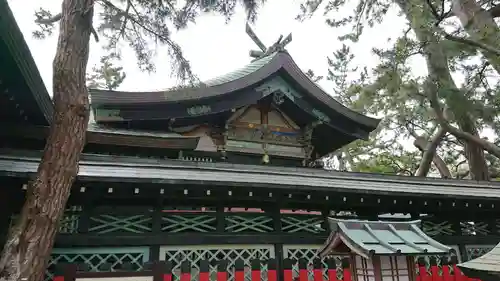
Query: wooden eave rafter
[[103, 136], [12, 37], [321, 183]]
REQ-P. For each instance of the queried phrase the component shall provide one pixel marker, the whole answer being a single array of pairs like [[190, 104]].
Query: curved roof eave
[[13, 37], [294, 71], [255, 72]]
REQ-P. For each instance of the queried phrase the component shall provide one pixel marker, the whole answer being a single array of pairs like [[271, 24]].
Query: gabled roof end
[[369, 238]]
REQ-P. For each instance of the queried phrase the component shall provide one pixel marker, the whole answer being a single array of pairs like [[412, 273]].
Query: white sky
[[214, 47]]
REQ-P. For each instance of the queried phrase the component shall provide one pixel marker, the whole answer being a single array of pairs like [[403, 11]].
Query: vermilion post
[[65, 272], [205, 271], [417, 273], [272, 275], [347, 269], [59, 273], [446, 269], [162, 271], [185, 271], [239, 270], [222, 271], [332, 270], [317, 270], [255, 270], [288, 270], [422, 270], [457, 273], [303, 272], [435, 270], [167, 272]]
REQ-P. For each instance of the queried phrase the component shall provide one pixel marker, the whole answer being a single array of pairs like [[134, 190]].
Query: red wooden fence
[[162, 271], [448, 271]]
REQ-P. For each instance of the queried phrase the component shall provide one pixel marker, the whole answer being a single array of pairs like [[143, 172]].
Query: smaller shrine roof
[[487, 263], [369, 238]]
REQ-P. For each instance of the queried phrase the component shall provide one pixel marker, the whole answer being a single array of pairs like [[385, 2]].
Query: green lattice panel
[[310, 253], [249, 223], [215, 253], [105, 223], [454, 252], [474, 228], [188, 223], [427, 263], [98, 257], [475, 251], [302, 223], [68, 223], [433, 228]]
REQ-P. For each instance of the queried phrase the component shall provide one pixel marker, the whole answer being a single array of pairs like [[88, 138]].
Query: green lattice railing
[[105, 223], [188, 223], [241, 222], [98, 259], [302, 223]]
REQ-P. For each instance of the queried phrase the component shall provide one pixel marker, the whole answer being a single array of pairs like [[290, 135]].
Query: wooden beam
[[166, 239]]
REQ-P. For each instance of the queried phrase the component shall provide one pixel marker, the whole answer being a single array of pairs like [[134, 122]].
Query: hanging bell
[[265, 159]]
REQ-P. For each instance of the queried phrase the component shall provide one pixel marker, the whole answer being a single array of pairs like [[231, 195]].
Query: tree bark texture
[[29, 243], [429, 155], [480, 26], [440, 77]]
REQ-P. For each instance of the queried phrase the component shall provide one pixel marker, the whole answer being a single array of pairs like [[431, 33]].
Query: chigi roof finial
[[264, 51]]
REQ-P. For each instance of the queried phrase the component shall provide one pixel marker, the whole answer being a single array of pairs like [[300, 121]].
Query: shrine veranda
[[225, 170]]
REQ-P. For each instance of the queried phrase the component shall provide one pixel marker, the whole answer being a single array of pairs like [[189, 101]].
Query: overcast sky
[[214, 47]]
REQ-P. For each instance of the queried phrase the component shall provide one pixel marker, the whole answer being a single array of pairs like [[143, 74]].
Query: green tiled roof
[[368, 238], [216, 89], [240, 73], [202, 90], [488, 262]]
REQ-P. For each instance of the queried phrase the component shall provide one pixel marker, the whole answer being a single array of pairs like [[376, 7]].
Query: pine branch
[[471, 42], [49, 20], [56, 18], [137, 21], [429, 155], [486, 145]]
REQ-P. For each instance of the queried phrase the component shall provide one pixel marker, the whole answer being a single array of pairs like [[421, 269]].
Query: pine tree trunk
[[29, 243], [440, 76]]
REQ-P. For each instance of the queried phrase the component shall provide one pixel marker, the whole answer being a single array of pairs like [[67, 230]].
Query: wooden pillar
[[325, 224], [154, 251], [87, 210], [278, 248], [377, 268], [220, 218]]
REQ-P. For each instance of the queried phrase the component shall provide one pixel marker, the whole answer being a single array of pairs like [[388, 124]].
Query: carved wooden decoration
[[279, 45], [264, 130]]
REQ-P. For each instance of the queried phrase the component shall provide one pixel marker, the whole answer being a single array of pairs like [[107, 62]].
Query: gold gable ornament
[[199, 110]]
